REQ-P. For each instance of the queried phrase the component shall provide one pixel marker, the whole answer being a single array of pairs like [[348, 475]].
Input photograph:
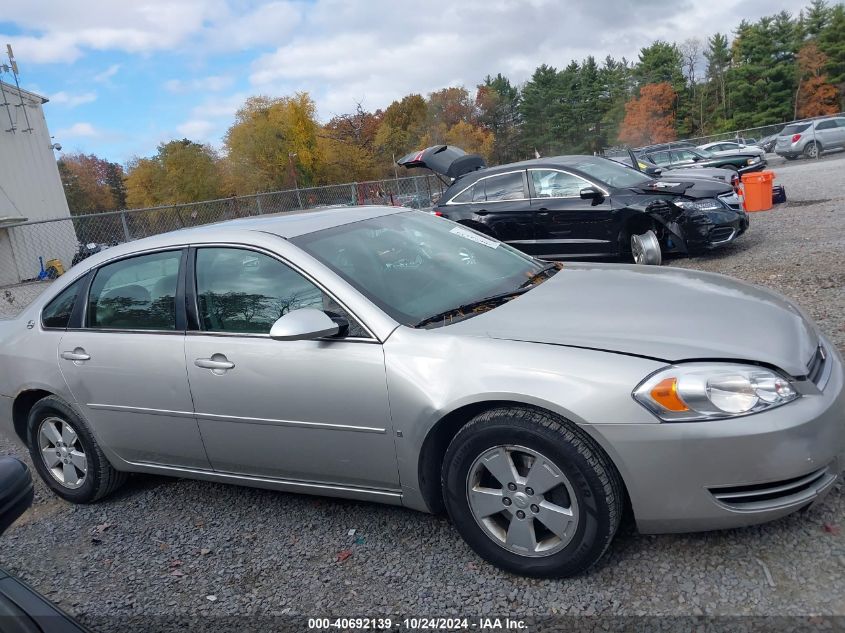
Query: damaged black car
[[574, 207]]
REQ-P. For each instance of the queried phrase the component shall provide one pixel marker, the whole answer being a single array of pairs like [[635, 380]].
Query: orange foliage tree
[[650, 118], [816, 97]]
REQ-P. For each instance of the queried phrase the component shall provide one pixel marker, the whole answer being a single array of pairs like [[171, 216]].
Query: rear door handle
[[218, 363], [482, 212], [543, 211], [76, 355]]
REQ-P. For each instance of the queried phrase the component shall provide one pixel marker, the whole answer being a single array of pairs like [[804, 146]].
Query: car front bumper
[[697, 476]]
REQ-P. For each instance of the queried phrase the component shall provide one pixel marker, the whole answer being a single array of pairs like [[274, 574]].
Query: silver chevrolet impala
[[386, 354]]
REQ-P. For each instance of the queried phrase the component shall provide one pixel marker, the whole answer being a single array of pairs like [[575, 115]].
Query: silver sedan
[[389, 355]]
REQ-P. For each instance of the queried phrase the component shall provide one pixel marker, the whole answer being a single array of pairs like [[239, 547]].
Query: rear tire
[[66, 456], [645, 249], [560, 529], [812, 150]]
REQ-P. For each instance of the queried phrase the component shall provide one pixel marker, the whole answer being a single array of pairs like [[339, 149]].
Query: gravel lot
[[166, 547]]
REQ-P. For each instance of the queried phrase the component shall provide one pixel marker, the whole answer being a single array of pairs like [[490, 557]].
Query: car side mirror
[[304, 324], [696, 158], [16, 491], [591, 193]]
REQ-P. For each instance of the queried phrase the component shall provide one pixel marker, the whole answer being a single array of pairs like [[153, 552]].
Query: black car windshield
[[608, 172], [414, 265]]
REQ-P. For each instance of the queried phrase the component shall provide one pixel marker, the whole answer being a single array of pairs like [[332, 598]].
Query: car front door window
[[550, 183], [246, 292]]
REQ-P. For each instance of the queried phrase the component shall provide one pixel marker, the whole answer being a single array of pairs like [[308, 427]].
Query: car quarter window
[[550, 183], [137, 293], [246, 292], [505, 187], [56, 314], [463, 197]]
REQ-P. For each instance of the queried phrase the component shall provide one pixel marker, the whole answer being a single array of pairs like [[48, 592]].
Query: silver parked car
[[811, 138], [731, 148], [386, 354]]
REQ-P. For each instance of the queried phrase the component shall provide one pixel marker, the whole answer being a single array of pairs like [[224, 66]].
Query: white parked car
[[730, 148]]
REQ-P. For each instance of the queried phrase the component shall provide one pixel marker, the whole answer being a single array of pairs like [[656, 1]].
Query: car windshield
[[608, 172], [414, 265], [795, 128]]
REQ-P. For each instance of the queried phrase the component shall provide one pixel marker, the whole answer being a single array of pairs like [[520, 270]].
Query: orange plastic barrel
[[757, 188]]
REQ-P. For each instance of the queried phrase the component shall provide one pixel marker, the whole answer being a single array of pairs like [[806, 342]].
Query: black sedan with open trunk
[[583, 206]]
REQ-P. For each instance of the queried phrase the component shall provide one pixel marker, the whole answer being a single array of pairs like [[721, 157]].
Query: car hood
[[675, 183], [670, 314]]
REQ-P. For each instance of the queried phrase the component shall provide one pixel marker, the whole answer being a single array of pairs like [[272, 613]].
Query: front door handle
[[218, 363], [482, 212], [77, 355], [543, 211]]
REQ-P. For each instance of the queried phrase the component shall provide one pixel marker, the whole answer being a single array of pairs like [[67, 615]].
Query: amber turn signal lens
[[665, 393]]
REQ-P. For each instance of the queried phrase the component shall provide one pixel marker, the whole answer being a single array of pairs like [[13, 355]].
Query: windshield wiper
[[545, 270], [461, 311]]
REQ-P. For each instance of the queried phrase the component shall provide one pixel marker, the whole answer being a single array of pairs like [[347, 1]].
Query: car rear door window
[[57, 313], [660, 158], [138, 293], [246, 292], [550, 183], [826, 125], [505, 187]]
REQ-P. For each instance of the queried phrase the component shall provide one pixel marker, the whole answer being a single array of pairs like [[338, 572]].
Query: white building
[[30, 190]]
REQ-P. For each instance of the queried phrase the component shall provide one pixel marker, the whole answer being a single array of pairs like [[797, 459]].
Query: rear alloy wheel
[[812, 150], [66, 454], [645, 249], [531, 493]]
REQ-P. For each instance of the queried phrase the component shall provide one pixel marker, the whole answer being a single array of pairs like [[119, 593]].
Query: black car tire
[[587, 471], [812, 149], [101, 478], [645, 249]]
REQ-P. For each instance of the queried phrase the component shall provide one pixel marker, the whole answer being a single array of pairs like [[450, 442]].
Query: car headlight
[[708, 391], [705, 204], [752, 161]]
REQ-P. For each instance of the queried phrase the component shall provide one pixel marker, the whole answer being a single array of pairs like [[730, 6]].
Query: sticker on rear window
[[458, 230]]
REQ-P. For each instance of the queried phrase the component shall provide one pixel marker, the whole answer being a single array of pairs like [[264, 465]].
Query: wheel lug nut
[[511, 486], [535, 508], [506, 501], [529, 492], [520, 514]]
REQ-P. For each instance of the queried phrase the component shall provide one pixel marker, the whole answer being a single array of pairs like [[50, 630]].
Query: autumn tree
[[816, 97], [347, 145], [402, 126], [497, 105], [272, 145], [91, 184], [181, 171], [650, 118]]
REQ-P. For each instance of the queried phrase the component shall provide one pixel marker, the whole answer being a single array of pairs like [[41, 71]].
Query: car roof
[[285, 225], [551, 161]]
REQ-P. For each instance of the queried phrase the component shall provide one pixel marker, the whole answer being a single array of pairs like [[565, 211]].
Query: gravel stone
[[267, 553]]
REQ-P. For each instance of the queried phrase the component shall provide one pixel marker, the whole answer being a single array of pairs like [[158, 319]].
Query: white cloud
[[78, 130], [107, 74], [212, 83], [73, 100], [196, 129]]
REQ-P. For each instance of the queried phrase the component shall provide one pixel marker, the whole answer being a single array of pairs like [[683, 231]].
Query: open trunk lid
[[446, 160]]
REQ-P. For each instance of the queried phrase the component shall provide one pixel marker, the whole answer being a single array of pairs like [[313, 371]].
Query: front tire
[[645, 249], [531, 493], [66, 455]]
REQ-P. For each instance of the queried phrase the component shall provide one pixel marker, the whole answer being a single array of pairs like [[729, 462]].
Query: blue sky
[[122, 77]]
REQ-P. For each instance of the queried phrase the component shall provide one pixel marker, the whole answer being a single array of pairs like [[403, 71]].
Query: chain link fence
[[751, 136], [32, 254]]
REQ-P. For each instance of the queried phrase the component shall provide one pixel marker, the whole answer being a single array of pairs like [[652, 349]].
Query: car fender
[[432, 375]]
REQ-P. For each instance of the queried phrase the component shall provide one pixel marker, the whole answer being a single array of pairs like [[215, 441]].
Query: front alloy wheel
[[531, 492], [645, 249], [522, 500]]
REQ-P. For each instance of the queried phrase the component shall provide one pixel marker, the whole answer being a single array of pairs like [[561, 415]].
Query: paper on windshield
[[475, 237]]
